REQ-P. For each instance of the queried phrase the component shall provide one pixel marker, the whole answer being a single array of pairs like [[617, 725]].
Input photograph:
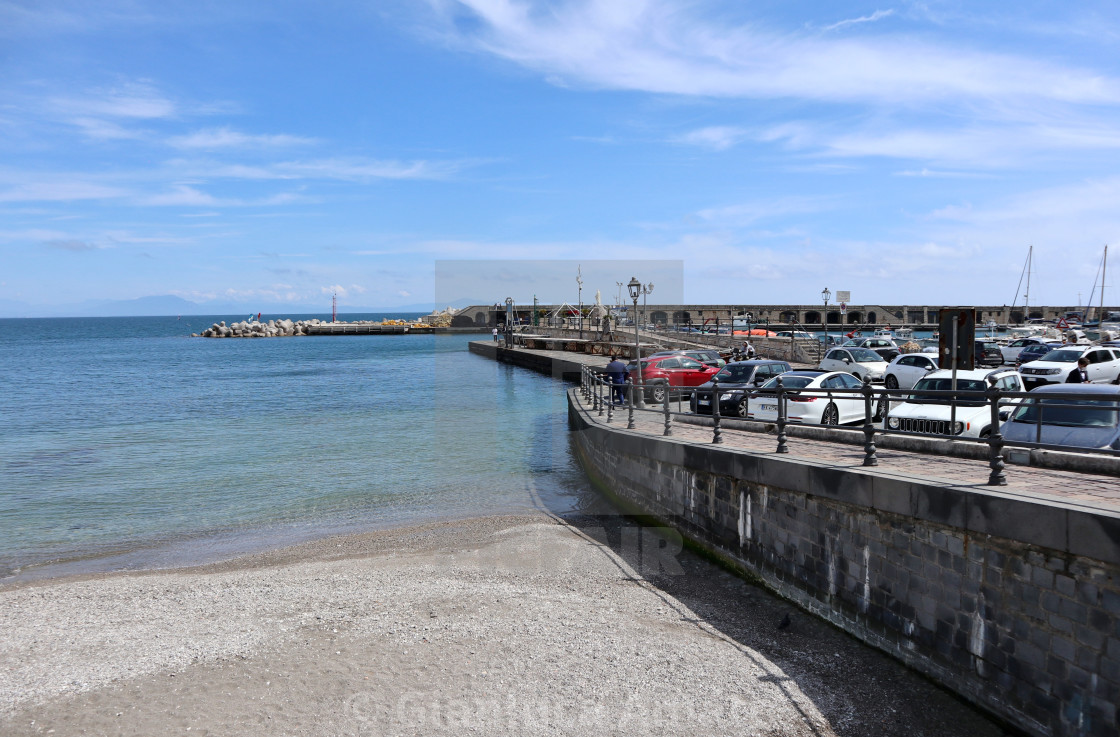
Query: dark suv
[[988, 353], [738, 378]]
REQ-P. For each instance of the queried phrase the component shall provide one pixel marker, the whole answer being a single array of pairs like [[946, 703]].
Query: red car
[[660, 373]]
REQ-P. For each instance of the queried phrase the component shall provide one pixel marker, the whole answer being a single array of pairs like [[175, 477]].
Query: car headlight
[[1053, 372], [893, 423], [958, 428]]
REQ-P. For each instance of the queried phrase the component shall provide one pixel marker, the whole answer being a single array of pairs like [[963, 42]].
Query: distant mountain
[[158, 305]]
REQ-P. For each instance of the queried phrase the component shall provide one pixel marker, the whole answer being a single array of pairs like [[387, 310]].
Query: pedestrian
[[616, 371], [1079, 375], [495, 335], [750, 351]]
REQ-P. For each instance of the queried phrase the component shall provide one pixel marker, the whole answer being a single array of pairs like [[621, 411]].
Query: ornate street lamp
[[635, 289], [825, 294], [509, 322], [579, 281]]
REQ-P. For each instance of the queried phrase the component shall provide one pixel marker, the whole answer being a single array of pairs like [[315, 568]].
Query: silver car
[[1087, 416]]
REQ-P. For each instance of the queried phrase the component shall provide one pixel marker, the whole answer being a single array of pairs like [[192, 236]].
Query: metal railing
[[605, 396]]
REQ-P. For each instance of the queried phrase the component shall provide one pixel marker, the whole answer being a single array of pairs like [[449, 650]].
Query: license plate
[[768, 407], [704, 401]]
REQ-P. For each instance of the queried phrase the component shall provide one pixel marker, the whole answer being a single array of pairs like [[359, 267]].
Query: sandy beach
[[497, 625]]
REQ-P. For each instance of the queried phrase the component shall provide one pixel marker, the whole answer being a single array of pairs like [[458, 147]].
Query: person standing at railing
[[616, 372], [1079, 375], [495, 331]]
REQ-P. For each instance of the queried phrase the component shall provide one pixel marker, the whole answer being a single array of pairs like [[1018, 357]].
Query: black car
[[1033, 353], [988, 353], [736, 377]]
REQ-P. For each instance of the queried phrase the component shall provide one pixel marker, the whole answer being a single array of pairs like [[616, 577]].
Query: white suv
[[1055, 366], [859, 362], [935, 415]]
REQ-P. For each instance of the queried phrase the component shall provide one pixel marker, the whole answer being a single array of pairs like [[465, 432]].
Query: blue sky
[[268, 154]]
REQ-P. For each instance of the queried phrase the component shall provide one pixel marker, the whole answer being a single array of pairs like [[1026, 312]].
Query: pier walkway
[[1089, 491]]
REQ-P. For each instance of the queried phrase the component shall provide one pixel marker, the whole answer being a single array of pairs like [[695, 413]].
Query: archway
[[789, 317], [871, 317], [834, 318], [812, 317], [855, 318], [658, 317]]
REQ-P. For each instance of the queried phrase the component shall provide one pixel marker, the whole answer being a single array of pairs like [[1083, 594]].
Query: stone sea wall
[[1013, 602], [254, 329]]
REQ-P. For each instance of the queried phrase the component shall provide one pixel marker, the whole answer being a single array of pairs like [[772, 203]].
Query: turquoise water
[[125, 443]]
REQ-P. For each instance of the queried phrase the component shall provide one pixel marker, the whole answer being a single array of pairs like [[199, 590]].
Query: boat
[[883, 333], [904, 334]]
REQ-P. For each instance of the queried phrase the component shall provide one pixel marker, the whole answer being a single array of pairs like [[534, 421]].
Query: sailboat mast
[[1104, 270], [1027, 294]]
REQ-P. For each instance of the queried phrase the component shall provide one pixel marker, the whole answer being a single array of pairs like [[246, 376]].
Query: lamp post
[[635, 289], [579, 281], [509, 322], [825, 294], [646, 291]]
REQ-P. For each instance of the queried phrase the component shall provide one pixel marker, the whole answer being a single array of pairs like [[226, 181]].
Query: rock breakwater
[[253, 329]]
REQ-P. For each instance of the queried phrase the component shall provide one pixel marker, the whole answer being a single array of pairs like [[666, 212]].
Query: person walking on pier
[[495, 331], [616, 370]]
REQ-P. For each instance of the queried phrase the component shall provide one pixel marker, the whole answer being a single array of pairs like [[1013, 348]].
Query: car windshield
[[862, 355], [1062, 356], [945, 384], [735, 372], [1069, 412], [789, 382]]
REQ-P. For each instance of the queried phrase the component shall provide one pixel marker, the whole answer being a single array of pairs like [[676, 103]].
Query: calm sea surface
[[126, 443]]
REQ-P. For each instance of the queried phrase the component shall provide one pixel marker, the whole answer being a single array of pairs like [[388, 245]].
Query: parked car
[[1088, 419], [987, 353], [1055, 366], [1035, 352], [709, 357], [859, 362], [1011, 351], [885, 347], [810, 403], [799, 334], [662, 374], [935, 414], [905, 370], [738, 378]]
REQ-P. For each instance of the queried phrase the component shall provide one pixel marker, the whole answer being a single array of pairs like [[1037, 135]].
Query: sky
[[272, 154]]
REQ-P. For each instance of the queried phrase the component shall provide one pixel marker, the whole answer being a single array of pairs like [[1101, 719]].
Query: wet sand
[[497, 625]]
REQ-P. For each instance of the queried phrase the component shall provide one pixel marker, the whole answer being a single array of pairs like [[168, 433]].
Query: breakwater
[[1010, 598], [294, 328]]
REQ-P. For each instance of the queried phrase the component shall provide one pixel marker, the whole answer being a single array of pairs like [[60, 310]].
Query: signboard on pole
[[843, 308], [843, 296], [956, 345]]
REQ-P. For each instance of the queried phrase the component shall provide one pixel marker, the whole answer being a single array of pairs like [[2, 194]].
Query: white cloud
[[877, 15], [135, 100], [658, 46], [59, 191], [212, 138], [714, 137]]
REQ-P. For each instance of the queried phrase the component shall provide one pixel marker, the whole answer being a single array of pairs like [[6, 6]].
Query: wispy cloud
[[134, 100], [877, 15], [60, 191], [714, 137], [214, 138], [72, 245]]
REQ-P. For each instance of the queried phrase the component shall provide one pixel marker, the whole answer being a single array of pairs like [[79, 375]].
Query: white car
[[1055, 366], [859, 362], [905, 370], [935, 415], [810, 403], [1012, 350]]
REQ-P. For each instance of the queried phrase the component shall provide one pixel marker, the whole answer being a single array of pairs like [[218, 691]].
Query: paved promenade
[[1090, 491]]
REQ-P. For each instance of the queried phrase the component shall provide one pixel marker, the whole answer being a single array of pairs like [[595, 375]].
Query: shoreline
[[526, 624]]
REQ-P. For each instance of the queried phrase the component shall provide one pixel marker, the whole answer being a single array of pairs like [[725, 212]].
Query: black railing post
[[717, 434], [869, 458], [599, 394], [668, 416], [630, 401], [995, 438], [782, 447], [610, 399]]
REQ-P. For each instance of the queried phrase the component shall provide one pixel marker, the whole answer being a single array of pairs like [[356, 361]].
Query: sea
[[127, 444]]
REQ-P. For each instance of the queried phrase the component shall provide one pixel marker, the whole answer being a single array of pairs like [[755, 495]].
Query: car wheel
[[830, 416], [881, 408], [741, 407], [657, 393], [891, 382], [986, 433]]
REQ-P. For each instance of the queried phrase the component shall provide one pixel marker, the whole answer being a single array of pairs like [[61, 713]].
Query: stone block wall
[[1014, 603]]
